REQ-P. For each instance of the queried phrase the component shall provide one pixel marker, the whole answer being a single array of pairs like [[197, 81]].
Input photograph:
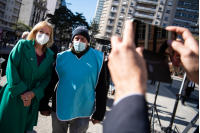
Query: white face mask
[[42, 38], [79, 46]]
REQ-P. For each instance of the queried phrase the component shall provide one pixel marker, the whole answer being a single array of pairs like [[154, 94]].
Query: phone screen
[[157, 53]]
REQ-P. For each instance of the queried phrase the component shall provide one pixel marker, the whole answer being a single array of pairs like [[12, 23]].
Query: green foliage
[[20, 26], [93, 30], [65, 21]]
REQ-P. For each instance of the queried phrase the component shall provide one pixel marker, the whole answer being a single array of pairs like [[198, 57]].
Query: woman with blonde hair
[[28, 73]]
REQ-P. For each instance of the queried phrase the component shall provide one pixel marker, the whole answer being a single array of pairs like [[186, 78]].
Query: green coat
[[23, 74]]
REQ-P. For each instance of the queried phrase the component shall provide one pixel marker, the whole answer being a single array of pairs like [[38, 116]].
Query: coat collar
[[32, 59]]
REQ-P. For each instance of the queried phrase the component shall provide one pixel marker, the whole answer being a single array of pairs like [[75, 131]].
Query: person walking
[[82, 81], [28, 73], [188, 87], [5, 41]]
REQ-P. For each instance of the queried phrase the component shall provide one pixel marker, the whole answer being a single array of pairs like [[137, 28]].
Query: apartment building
[[9, 13], [33, 11], [98, 11], [158, 12]]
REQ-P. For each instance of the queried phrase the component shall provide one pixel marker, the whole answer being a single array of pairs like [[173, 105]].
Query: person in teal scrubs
[[82, 82]]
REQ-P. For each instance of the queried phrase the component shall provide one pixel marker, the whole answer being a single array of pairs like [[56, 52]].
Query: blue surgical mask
[[79, 46]]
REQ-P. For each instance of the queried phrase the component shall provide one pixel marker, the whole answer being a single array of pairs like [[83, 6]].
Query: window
[[113, 8], [168, 11], [164, 25], [112, 15], [132, 4], [169, 3], [5, 16], [122, 10], [160, 8], [130, 11], [110, 22], [151, 14], [119, 23], [109, 28], [156, 22], [117, 30], [166, 18], [158, 16]]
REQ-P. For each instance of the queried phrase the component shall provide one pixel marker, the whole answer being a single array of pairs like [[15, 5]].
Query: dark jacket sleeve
[[101, 95], [48, 93], [130, 115]]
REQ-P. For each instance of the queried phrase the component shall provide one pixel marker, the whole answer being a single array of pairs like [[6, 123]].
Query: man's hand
[[188, 50], [94, 121], [46, 113], [127, 65]]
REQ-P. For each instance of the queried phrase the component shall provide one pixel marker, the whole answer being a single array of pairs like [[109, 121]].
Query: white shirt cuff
[[118, 100]]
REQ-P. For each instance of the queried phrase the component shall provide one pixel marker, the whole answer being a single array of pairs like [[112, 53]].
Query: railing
[[148, 2], [111, 17], [187, 11], [4, 0], [145, 8], [2, 8], [115, 4], [110, 24], [109, 31], [185, 18], [144, 16], [113, 10]]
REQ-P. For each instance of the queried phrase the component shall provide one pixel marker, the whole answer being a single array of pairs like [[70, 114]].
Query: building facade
[[33, 11], [163, 13], [98, 11], [9, 13]]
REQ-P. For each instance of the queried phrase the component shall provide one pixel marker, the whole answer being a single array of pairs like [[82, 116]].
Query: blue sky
[[87, 7]]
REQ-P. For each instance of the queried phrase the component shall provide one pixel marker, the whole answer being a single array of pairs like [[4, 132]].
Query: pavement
[[165, 104], [6, 50]]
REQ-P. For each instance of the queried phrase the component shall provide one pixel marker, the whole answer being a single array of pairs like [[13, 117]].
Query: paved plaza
[[165, 104]]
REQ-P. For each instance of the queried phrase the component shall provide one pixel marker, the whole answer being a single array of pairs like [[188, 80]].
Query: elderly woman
[[25, 34], [28, 73]]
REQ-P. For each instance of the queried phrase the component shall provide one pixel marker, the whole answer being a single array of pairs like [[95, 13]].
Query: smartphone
[[157, 53]]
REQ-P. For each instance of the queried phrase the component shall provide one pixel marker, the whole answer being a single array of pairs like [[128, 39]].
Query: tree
[[20, 26], [64, 22], [93, 30]]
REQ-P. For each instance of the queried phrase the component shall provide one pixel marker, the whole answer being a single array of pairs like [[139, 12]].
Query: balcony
[[194, 30], [121, 17], [17, 7], [15, 14], [145, 9], [124, 3], [147, 2], [110, 24], [20, 1], [186, 18], [143, 16], [110, 17], [2, 8], [188, 7], [115, 4], [3, 1], [114, 11], [108, 31], [188, 12], [182, 22]]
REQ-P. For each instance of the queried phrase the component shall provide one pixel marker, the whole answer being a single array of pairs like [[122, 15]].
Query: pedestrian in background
[[188, 87], [5, 41], [25, 34], [28, 73]]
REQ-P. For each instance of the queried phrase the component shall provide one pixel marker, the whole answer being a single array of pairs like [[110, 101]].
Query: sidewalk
[[165, 104]]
